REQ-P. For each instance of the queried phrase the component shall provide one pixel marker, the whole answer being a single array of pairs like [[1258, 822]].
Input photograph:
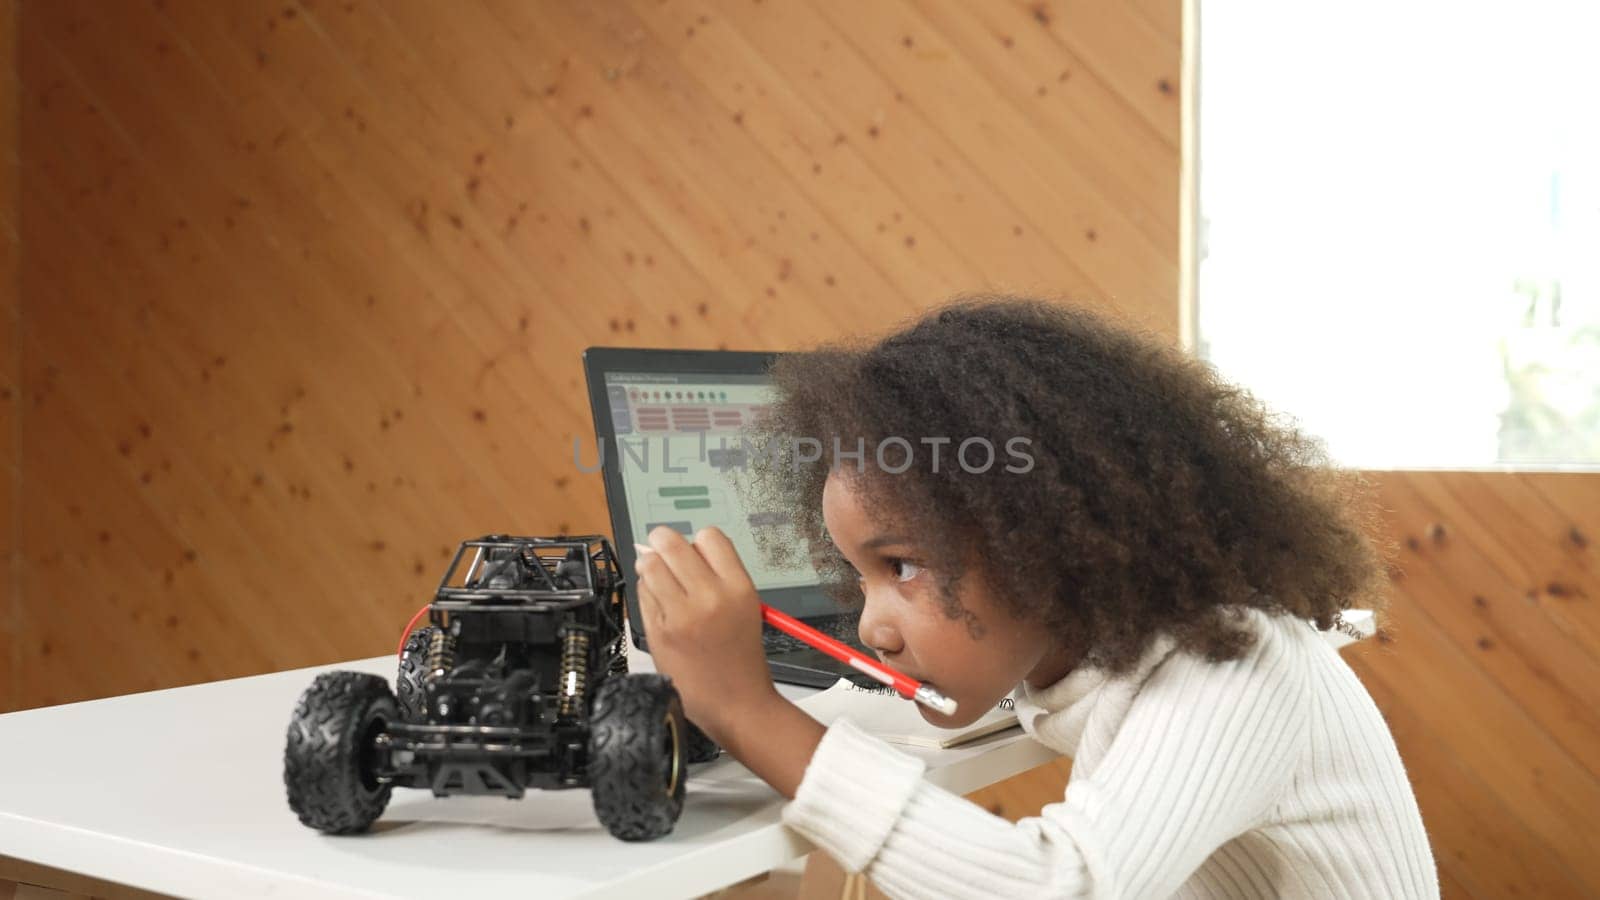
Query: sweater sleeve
[[1203, 754]]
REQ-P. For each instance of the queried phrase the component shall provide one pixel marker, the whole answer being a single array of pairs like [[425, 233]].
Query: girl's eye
[[903, 565]]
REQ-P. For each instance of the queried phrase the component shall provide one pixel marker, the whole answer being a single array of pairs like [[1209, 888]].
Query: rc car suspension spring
[[441, 653], [574, 671]]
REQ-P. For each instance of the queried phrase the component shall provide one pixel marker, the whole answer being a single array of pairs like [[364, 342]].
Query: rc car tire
[[413, 665], [638, 742], [328, 765]]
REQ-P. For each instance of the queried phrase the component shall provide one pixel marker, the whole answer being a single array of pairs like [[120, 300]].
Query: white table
[[181, 791]]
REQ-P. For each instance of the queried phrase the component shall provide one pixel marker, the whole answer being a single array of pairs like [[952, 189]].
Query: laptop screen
[[672, 439], [678, 439]]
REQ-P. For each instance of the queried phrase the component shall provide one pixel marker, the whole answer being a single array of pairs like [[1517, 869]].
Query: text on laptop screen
[[678, 439]]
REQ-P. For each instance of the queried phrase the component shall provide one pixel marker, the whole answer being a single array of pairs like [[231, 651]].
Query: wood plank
[[1575, 495], [1555, 680], [202, 608], [1075, 109], [1569, 583], [878, 117], [51, 879], [1515, 759], [1165, 16], [861, 207], [1026, 793], [1121, 44], [933, 186], [658, 228], [10, 354], [1450, 888], [1479, 841], [192, 426], [484, 299], [1505, 540], [361, 328], [1022, 166], [352, 359], [587, 232], [366, 629], [652, 120]]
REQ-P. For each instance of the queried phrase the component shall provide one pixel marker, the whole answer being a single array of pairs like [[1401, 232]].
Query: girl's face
[[904, 619]]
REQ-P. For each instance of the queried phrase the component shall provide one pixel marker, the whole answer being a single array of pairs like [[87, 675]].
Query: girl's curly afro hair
[[1148, 495]]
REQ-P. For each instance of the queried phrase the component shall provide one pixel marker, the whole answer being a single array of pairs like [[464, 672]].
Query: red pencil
[[909, 687]]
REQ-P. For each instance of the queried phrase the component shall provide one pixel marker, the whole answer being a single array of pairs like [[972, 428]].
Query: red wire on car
[[410, 625]]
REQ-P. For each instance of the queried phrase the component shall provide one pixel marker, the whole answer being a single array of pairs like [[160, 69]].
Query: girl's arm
[[774, 739], [704, 627]]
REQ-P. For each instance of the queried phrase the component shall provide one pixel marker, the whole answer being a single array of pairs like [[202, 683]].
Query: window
[[1398, 235]]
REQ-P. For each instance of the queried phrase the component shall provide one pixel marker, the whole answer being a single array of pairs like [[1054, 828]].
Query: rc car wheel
[[701, 747], [638, 740], [329, 761], [413, 665]]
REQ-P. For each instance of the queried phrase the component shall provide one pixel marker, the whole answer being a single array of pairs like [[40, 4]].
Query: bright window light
[[1399, 235]]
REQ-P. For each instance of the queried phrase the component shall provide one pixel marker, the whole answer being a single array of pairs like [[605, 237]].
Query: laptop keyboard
[[840, 628]]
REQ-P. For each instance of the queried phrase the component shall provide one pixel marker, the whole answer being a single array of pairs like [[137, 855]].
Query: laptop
[[664, 418]]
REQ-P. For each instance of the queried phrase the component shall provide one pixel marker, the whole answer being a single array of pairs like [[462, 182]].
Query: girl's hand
[[702, 622]]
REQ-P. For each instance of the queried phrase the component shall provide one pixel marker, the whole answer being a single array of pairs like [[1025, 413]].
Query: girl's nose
[[877, 632]]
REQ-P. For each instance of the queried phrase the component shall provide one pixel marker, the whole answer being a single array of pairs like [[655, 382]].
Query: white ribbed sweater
[[1273, 775]]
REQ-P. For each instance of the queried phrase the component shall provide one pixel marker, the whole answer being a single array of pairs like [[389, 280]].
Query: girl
[[1142, 566]]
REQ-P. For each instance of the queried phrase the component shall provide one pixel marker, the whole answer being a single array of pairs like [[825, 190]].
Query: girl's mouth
[[908, 673]]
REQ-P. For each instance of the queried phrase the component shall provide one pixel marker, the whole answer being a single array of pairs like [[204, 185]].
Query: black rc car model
[[520, 680]]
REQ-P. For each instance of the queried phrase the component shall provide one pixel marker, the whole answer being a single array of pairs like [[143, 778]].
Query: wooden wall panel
[[10, 309], [307, 282], [1488, 679]]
